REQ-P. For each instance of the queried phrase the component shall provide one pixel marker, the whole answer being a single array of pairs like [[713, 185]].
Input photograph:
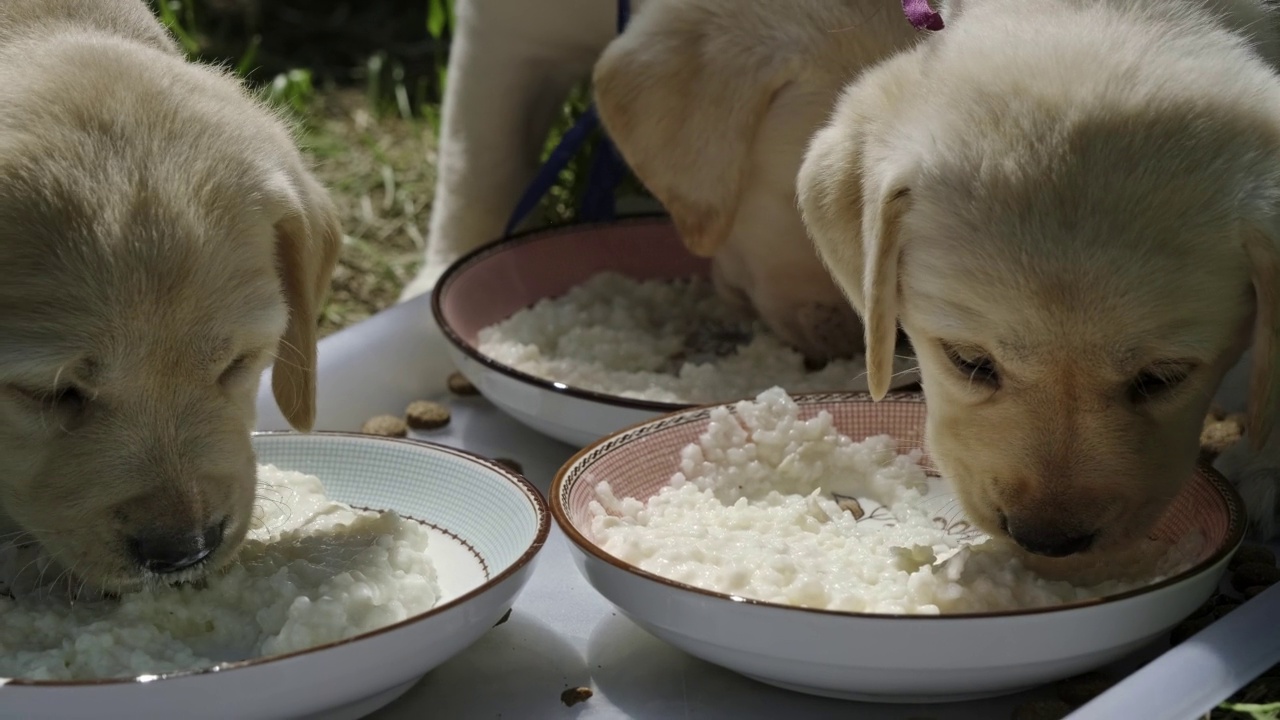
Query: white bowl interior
[[473, 505]]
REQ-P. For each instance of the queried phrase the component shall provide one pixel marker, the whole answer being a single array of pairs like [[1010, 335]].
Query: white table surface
[[561, 633]]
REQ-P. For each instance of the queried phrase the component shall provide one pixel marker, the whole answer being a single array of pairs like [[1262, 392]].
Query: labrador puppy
[[711, 103], [161, 241], [1072, 208]]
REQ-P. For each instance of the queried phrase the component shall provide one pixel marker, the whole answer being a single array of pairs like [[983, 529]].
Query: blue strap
[[606, 172]]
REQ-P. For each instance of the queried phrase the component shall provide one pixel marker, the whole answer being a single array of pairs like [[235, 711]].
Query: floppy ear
[[682, 100], [881, 230], [308, 239], [854, 221], [1264, 374]]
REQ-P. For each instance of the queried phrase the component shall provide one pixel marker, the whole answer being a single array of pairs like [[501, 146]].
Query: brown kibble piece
[[460, 385], [1051, 709], [426, 415], [510, 464], [1254, 574], [1252, 553], [1187, 628], [573, 696], [1078, 690], [385, 425]]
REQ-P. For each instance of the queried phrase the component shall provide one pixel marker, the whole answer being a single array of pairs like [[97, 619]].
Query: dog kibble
[[1252, 553], [1052, 709], [460, 385], [1255, 574], [386, 426], [426, 415], [573, 696], [510, 464], [1078, 690]]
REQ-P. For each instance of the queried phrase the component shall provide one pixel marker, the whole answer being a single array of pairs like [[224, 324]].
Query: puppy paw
[[1256, 476]]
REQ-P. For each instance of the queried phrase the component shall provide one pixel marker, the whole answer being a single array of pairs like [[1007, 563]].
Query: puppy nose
[[1049, 542], [171, 552]]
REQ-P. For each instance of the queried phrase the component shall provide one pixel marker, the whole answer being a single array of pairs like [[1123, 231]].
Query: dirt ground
[[380, 170]]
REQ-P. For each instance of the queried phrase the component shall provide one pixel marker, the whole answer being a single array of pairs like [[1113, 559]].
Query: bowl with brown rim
[[486, 527], [880, 657], [498, 280]]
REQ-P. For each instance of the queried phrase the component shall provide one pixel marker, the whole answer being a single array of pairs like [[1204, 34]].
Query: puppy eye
[[1156, 381], [974, 365], [68, 398], [237, 369]]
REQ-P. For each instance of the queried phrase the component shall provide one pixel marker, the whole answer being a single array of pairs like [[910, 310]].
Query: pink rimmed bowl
[[494, 282], [881, 658]]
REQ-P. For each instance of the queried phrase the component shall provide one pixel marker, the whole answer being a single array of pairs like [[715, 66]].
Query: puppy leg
[[511, 68]]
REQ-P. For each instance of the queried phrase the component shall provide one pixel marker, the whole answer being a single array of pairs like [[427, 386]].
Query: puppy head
[[151, 274], [1076, 274], [711, 104]]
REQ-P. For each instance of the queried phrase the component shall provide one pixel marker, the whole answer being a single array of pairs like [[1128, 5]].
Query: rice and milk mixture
[[662, 340], [773, 507], [312, 571]]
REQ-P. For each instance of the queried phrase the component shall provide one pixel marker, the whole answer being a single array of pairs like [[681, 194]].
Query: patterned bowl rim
[[536, 501], [497, 247], [560, 489]]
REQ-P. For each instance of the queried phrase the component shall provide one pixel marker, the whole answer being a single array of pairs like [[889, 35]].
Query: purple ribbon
[[921, 15]]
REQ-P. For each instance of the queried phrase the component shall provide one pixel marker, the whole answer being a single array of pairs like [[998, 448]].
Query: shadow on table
[[521, 663], [647, 678], [485, 430]]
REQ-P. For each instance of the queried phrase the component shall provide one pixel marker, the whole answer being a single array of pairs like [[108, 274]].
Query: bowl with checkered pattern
[[486, 526]]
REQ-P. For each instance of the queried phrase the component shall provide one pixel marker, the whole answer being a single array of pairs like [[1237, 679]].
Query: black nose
[[1048, 542], [171, 552]]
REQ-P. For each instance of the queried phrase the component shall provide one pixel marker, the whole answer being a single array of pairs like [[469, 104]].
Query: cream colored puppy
[[1072, 207], [711, 102], [161, 240]]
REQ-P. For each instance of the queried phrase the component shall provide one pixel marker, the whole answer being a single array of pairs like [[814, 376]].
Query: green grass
[[369, 125]]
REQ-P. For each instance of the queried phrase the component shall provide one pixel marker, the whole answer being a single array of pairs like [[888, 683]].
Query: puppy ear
[[682, 101], [1264, 374], [854, 220], [880, 287], [308, 238]]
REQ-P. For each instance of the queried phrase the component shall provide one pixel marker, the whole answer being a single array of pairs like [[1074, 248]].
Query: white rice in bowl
[[772, 507], [312, 571], [660, 340]]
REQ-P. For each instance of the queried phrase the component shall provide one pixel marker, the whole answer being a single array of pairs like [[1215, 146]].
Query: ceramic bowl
[[487, 526], [494, 282], [882, 658]]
